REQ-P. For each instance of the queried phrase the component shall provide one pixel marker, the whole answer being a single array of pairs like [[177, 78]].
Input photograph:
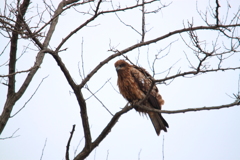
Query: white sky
[[53, 110]]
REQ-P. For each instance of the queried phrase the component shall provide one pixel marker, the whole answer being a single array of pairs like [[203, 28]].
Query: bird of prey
[[134, 83]]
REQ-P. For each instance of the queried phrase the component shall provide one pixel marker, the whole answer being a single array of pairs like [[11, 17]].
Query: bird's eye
[[121, 65]]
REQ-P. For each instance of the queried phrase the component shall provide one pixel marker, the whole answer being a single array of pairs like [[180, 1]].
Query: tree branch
[[69, 141], [217, 12], [143, 21], [18, 72], [79, 96], [236, 103], [194, 73], [96, 14], [119, 53], [85, 152]]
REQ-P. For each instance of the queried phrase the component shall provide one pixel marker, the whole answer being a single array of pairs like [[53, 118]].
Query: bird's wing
[[144, 82]]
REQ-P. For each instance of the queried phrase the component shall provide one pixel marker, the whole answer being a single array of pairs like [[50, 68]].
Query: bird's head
[[121, 65]]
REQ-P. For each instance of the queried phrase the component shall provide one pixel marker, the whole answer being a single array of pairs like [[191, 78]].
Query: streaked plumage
[[134, 83]]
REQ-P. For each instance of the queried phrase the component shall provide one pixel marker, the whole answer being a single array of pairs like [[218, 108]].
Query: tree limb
[[194, 73], [236, 103], [86, 151]]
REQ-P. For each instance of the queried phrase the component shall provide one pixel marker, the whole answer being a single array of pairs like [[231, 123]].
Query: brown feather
[[134, 83]]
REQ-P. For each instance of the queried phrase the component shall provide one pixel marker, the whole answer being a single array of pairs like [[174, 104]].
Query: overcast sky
[[50, 114]]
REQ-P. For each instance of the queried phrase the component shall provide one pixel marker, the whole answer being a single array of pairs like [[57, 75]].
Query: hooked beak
[[118, 68]]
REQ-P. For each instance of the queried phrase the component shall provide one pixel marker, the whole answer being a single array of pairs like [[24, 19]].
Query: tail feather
[[158, 122]]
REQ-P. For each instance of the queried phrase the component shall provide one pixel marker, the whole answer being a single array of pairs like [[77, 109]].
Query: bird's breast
[[129, 89]]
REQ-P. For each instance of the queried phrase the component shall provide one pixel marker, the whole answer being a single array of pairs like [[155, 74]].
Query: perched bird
[[134, 83]]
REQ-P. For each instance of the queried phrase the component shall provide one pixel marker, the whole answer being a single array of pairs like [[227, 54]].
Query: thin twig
[[12, 136], [143, 21], [107, 154], [97, 90], [139, 154], [45, 143], [163, 148], [114, 88], [95, 153], [29, 98], [75, 151], [100, 101]]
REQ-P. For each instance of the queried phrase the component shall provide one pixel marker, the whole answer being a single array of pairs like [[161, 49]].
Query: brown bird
[[134, 83]]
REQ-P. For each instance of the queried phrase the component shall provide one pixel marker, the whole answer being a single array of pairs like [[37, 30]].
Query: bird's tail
[[158, 122]]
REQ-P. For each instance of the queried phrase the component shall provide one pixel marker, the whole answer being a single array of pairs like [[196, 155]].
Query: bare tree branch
[[28, 70], [86, 151], [69, 141], [119, 53], [236, 103], [79, 96], [194, 73]]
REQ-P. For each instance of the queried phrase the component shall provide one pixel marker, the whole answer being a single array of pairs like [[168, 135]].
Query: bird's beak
[[118, 68]]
